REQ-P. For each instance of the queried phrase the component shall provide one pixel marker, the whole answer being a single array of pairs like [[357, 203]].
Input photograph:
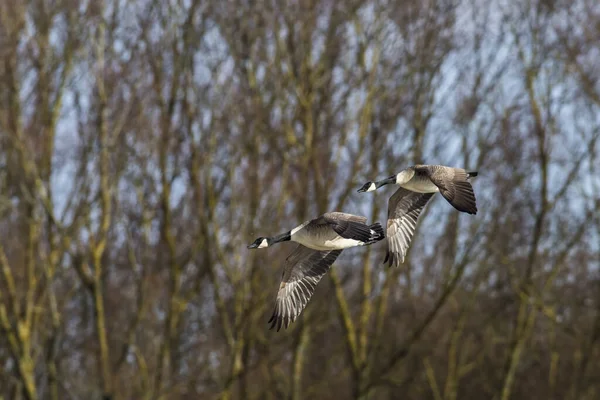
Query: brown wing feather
[[354, 227], [454, 186], [344, 217]]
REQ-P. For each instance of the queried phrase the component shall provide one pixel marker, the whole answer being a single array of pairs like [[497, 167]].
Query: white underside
[[421, 186], [330, 241], [335, 244]]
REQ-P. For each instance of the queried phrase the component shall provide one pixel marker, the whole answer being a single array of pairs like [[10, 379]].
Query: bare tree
[[143, 145]]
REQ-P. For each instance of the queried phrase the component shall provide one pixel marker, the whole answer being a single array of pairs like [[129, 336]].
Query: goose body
[[330, 231], [321, 241], [336, 231], [418, 184], [326, 240]]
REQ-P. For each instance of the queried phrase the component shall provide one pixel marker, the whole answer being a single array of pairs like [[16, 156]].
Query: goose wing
[[351, 226], [454, 186], [404, 208], [303, 269], [340, 216]]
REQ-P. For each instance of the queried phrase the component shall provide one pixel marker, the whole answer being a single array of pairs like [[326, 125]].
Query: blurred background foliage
[[144, 144]]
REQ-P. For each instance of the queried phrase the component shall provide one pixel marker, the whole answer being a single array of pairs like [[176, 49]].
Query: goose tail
[[377, 233], [472, 174]]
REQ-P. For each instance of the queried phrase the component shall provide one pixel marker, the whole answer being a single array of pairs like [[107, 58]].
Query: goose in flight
[[321, 241], [418, 184]]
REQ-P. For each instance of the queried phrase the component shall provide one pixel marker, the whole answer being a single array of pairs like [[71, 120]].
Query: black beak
[[253, 246], [364, 187]]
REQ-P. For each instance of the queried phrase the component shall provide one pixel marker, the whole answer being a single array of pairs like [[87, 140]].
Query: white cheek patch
[[263, 244], [372, 187]]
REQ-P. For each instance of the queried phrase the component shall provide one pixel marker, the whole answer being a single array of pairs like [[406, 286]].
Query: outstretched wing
[[303, 269], [404, 208], [454, 186]]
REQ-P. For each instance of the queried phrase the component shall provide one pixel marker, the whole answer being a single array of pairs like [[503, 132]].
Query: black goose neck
[[282, 238]]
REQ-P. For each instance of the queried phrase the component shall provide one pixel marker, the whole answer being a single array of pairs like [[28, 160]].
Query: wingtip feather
[[394, 261]]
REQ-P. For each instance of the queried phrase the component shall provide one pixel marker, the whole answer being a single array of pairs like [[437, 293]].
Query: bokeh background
[[144, 144]]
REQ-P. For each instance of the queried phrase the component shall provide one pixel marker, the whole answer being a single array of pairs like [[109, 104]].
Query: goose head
[[260, 243], [371, 186], [367, 187]]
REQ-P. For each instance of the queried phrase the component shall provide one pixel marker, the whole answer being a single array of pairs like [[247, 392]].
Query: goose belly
[[328, 240], [421, 185]]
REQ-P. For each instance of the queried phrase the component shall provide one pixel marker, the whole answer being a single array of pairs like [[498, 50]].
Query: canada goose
[[321, 241], [418, 184], [330, 231]]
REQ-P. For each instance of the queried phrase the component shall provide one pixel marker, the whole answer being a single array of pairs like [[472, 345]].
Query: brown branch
[[99, 239], [347, 322], [404, 349], [525, 317]]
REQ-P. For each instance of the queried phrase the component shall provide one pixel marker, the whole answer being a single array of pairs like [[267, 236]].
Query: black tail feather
[[472, 174], [359, 231], [377, 233]]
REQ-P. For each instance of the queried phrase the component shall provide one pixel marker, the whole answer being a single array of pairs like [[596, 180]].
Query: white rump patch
[[263, 244], [343, 243]]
